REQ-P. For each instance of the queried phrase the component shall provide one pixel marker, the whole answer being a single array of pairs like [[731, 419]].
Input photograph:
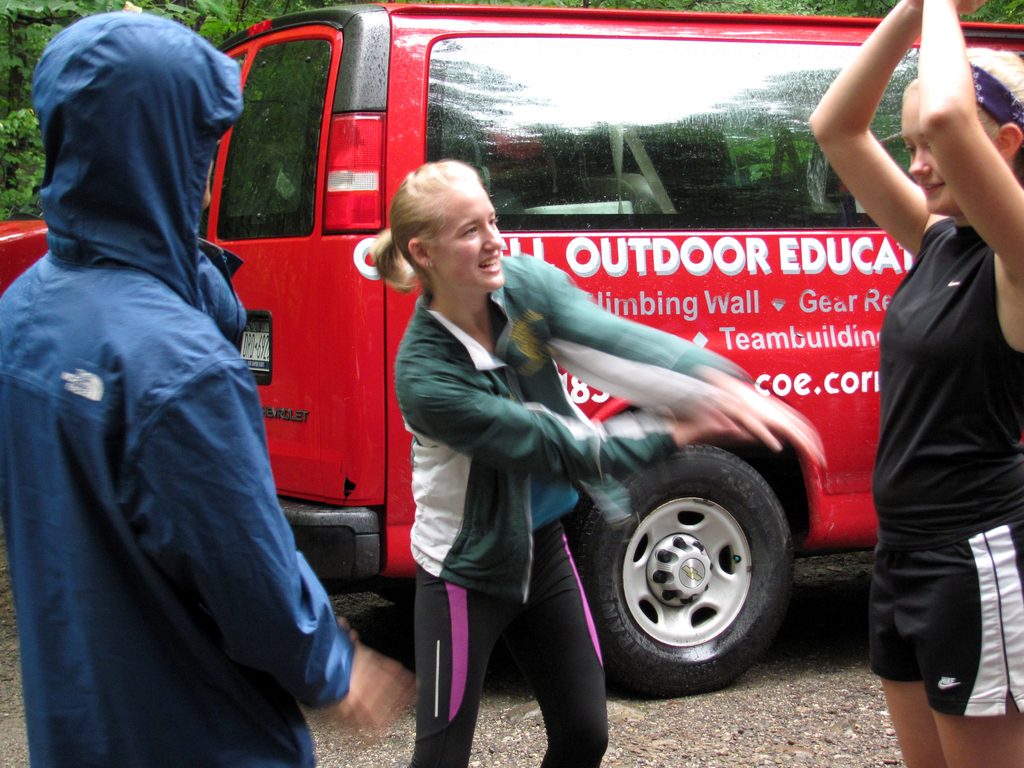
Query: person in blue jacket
[[165, 616]]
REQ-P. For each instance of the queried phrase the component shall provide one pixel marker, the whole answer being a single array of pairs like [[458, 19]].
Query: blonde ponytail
[[391, 263]]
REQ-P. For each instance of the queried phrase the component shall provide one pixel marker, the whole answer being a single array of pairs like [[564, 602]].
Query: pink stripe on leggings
[[460, 646], [586, 605]]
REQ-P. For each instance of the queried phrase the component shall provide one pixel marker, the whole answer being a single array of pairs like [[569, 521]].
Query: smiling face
[[464, 258], [923, 166]]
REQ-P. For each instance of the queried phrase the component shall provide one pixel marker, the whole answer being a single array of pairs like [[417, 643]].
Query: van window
[[607, 133], [204, 217], [270, 172]]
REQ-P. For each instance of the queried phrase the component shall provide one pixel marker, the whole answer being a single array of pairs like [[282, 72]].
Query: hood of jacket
[[131, 107]]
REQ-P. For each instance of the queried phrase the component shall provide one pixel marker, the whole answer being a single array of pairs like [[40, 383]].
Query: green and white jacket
[[482, 424]]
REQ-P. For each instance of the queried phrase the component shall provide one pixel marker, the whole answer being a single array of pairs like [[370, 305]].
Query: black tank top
[[950, 461]]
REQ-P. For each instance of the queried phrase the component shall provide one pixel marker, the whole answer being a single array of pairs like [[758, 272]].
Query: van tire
[[667, 634]]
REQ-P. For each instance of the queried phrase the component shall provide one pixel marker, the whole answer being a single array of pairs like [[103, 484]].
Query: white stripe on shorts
[[1001, 666]]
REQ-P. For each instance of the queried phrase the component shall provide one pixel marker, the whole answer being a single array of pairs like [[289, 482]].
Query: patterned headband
[[996, 99]]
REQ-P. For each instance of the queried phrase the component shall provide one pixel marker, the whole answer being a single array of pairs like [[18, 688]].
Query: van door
[[266, 213]]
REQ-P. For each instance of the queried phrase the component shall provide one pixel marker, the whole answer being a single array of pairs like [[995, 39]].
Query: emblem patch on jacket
[[525, 339]]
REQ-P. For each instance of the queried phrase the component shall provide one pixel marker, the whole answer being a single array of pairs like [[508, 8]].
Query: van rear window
[[590, 133], [270, 172]]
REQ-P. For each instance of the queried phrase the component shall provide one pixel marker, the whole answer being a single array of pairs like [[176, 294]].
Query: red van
[[664, 161], [22, 242]]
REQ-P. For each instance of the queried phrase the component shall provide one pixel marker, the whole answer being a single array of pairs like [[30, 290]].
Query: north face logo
[[83, 384]]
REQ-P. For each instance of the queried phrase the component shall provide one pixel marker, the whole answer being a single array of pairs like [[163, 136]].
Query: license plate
[[257, 347]]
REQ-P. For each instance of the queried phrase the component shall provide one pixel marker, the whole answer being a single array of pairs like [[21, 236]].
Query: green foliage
[[22, 167], [1001, 11], [27, 25]]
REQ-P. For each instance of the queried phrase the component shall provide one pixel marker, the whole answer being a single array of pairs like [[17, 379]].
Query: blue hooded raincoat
[[165, 616]]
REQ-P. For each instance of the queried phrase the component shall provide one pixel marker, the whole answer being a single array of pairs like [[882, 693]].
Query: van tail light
[[355, 156]]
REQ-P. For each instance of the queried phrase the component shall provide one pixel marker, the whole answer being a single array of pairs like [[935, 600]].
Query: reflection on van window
[[270, 172], [594, 133]]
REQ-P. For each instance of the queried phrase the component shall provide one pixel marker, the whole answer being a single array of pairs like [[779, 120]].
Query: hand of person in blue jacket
[[380, 690]]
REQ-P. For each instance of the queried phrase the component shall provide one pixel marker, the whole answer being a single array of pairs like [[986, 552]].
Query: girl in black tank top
[[949, 471]]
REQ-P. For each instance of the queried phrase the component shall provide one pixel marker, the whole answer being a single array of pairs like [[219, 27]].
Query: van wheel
[[692, 590]]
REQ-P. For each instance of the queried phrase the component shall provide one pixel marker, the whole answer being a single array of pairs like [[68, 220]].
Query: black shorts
[[953, 617]]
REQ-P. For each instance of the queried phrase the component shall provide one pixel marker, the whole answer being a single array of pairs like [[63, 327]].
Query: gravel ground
[[810, 702]]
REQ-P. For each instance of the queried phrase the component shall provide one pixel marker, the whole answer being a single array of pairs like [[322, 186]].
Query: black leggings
[[551, 638]]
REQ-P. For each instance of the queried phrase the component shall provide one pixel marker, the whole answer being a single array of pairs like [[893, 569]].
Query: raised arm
[[842, 125], [976, 162]]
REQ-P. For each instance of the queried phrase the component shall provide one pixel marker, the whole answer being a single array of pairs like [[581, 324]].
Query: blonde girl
[[498, 451]]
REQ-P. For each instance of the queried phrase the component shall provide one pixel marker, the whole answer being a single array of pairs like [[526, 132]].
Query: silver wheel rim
[[686, 572]]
